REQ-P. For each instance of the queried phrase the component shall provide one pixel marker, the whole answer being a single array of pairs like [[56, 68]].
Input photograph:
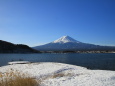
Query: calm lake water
[[104, 61]]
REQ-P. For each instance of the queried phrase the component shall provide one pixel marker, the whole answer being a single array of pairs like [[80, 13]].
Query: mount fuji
[[66, 43], [65, 39]]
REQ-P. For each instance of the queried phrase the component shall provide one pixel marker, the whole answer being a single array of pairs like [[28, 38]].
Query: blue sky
[[35, 22]]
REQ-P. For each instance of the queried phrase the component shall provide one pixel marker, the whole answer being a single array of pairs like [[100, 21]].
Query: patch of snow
[[18, 62], [74, 75]]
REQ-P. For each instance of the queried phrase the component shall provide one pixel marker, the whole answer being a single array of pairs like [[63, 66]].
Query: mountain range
[[7, 47], [67, 43]]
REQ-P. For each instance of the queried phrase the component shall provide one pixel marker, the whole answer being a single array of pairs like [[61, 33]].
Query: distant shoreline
[[77, 51], [62, 52]]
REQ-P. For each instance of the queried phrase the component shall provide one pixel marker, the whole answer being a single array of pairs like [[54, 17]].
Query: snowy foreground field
[[58, 74]]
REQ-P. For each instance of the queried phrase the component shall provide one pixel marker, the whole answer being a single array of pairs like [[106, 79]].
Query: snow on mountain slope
[[65, 39]]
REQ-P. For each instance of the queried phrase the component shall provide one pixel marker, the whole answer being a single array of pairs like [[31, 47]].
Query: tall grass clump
[[17, 79]]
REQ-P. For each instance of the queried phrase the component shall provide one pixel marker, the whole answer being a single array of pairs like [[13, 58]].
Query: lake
[[104, 61]]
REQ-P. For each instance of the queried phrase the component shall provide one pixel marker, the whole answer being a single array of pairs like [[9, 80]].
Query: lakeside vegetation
[[12, 78]]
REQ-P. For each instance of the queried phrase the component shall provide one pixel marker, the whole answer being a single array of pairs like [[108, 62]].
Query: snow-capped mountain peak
[[65, 39], [67, 43]]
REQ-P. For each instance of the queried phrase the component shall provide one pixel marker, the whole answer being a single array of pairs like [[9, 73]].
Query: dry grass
[[61, 75], [57, 75], [17, 79]]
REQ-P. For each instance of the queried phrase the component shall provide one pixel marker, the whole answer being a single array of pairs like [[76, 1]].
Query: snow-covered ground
[[18, 62], [58, 74]]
